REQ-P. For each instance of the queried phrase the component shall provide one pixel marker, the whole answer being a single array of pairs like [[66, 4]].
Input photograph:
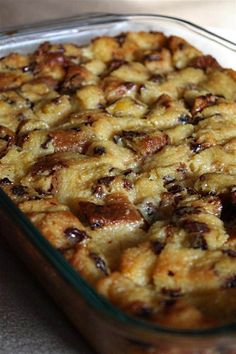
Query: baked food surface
[[123, 153]]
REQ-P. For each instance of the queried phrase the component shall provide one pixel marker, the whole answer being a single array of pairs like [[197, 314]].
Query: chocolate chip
[[25, 69], [171, 292], [228, 208], [170, 273], [168, 302], [230, 253], [153, 57], [144, 312], [117, 139], [9, 101], [75, 235], [129, 85], [132, 134], [175, 189], [157, 247], [150, 208], [29, 67], [158, 78], [191, 191], [45, 145], [99, 262], [168, 179], [98, 191], [96, 224], [106, 180], [30, 104], [77, 129], [182, 168], [19, 190], [184, 118], [181, 211], [128, 184], [115, 64], [99, 150], [195, 147], [21, 117], [127, 172], [5, 181], [230, 282], [121, 38], [181, 46], [195, 226], [199, 242]]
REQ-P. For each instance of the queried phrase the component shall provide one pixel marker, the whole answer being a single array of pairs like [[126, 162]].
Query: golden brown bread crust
[[123, 154]]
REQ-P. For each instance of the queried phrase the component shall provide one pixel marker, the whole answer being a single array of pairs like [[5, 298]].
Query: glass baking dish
[[116, 332]]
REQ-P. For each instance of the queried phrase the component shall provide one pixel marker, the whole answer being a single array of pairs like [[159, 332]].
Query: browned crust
[[116, 210]]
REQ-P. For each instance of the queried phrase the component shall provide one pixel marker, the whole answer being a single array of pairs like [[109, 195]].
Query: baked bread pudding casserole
[[122, 152]]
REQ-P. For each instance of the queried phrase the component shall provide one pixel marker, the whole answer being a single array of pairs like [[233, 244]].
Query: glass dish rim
[[97, 301], [99, 18]]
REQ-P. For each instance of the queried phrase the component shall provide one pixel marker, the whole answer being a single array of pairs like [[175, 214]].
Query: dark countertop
[[30, 322]]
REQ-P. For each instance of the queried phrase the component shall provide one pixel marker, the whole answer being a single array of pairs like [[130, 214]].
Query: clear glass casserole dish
[[116, 332]]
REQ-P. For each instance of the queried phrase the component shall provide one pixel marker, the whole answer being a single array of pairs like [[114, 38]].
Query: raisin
[[99, 262]]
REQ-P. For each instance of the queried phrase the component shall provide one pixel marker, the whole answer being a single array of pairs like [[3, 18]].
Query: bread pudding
[[122, 152]]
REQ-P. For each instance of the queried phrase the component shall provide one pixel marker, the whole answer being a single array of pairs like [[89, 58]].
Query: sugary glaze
[[123, 153]]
